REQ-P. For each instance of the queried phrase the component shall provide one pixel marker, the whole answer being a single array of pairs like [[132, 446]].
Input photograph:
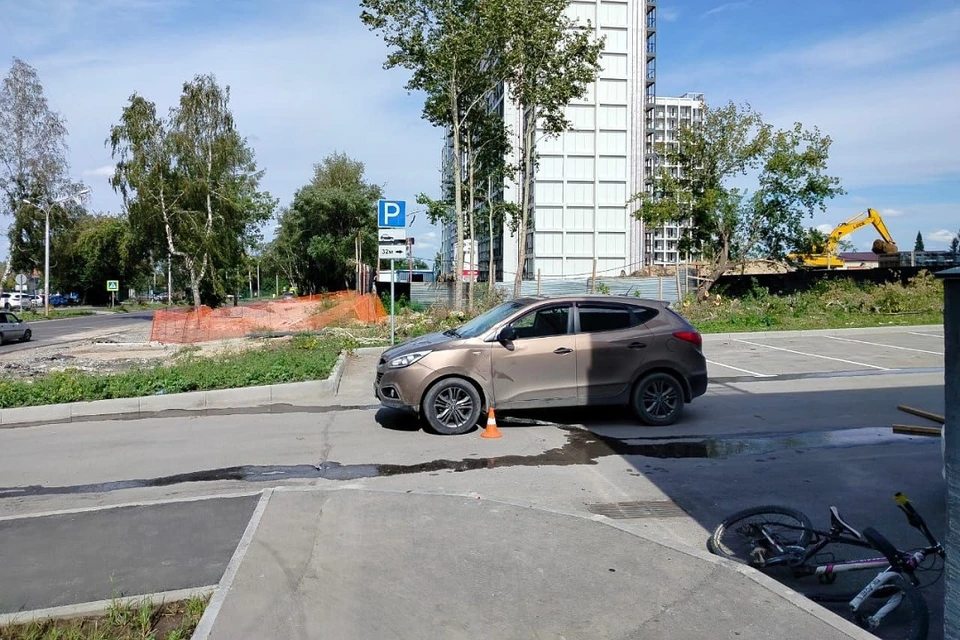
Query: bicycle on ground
[[889, 606]]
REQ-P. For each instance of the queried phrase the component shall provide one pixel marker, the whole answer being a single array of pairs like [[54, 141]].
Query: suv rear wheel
[[452, 407], [658, 399]]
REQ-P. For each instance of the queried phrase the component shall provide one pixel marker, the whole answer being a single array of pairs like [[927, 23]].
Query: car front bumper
[[400, 388]]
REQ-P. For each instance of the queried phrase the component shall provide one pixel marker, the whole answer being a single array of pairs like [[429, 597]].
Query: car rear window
[[595, 318]]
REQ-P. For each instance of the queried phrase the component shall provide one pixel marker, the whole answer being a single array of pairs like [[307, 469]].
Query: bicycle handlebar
[[914, 518]]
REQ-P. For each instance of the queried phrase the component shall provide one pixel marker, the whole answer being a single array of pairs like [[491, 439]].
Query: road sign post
[[393, 299], [113, 286], [392, 233]]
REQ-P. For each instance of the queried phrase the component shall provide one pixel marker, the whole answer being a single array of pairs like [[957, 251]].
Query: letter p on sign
[[392, 214]]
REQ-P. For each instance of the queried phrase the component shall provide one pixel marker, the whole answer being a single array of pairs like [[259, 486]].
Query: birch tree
[[550, 61], [451, 48], [189, 181], [33, 163]]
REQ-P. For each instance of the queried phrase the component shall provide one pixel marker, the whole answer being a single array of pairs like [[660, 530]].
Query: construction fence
[[308, 313]]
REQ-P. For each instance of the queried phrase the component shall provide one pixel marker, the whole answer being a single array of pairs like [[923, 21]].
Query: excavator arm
[[829, 257]]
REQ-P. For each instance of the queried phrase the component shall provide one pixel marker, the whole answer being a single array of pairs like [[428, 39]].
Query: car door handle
[[638, 345], [562, 351]]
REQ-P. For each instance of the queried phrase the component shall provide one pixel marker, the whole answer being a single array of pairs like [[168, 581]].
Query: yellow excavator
[[830, 258]]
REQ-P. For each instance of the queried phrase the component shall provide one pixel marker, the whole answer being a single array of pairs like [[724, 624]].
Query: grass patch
[[300, 359], [32, 315], [136, 621], [839, 304]]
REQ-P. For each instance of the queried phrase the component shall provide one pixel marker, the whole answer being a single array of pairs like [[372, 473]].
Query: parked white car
[[13, 328], [15, 300]]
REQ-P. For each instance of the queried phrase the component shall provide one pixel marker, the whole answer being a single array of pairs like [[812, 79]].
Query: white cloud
[[891, 213], [941, 236], [668, 14], [301, 88], [868, 48], [106, 171], [859, 89], [727, 6], [825, 228], [428, 240]]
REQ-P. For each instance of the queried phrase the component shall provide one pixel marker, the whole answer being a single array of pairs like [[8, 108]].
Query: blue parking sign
[[391, 214]]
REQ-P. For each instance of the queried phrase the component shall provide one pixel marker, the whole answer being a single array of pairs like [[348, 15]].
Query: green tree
[[33, 165], [726, 224], [918, 244], [955, 245], [106, 249], [492, 170], [550, 60], [315, 246], [190, 183], [453, 50]]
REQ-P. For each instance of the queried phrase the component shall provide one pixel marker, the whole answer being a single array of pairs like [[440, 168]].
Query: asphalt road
[[808, 438], [62, 330], [85, 557]]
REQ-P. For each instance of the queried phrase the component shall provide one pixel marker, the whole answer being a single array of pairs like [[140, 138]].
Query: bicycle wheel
[[739, 537], [910, 620]]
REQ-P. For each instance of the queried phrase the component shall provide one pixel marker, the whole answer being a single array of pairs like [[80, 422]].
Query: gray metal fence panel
[[441, 293]]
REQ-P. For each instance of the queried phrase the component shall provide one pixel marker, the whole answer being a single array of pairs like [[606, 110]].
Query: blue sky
[[882, 78]]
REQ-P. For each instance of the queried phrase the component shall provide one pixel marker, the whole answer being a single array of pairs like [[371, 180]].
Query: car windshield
[[486, 321]]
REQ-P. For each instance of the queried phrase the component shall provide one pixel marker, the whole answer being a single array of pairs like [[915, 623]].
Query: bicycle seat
[[839, 523]]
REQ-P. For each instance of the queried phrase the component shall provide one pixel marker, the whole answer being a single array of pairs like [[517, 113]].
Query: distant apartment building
[[661, 245], [580, 217]]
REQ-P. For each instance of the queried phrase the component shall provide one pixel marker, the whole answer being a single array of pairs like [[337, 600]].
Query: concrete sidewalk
[[364, 564]]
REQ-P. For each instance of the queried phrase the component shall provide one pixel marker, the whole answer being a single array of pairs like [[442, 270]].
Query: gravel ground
[[117, 352], [114, 353]]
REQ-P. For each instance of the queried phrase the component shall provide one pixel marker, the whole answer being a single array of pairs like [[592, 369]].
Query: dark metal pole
[[951, 433]]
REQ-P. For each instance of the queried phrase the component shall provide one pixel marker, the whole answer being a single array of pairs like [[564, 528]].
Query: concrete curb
[[101, 607], [817, 332], [305, 394]]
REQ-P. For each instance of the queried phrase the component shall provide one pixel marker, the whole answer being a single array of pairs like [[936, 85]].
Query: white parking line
[[753, 373], [885, 346], [925, 335], [814, 355]]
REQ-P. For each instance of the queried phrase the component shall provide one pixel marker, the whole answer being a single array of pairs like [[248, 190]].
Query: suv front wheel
[[658, 399], [452, 407]]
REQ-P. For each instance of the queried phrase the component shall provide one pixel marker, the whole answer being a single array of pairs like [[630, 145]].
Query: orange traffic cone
[[491, 431]]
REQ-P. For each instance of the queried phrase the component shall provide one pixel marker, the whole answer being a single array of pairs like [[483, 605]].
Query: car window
[[12, 318], [550, 321], [598, 317], [645, 314], [595, 318], [486, 321], [3, 318]]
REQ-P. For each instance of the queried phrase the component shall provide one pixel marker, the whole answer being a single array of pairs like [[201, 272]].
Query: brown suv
[[534, 353]]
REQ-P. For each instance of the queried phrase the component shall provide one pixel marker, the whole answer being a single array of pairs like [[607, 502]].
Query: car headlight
[[406, 360]]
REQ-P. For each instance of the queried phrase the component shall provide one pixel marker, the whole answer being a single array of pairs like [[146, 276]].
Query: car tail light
[[690, 336]]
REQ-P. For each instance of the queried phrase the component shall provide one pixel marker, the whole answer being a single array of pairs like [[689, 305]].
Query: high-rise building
[[661, 244], [581, 218]]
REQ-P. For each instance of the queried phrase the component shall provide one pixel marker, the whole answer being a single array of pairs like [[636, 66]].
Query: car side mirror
[[507, 334]]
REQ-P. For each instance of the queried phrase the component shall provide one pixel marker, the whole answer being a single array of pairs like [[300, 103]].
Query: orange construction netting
[[181, 326]]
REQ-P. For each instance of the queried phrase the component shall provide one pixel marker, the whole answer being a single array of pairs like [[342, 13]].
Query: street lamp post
[[76, 197]]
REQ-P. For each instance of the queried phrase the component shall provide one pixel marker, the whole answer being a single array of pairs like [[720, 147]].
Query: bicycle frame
[[893, 563], [798, 562]]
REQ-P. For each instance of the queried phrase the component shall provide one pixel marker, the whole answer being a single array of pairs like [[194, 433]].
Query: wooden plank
[[921, 413], [913, 430]]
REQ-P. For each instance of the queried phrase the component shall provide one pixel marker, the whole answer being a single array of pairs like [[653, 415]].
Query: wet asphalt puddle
[[583, 447]]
